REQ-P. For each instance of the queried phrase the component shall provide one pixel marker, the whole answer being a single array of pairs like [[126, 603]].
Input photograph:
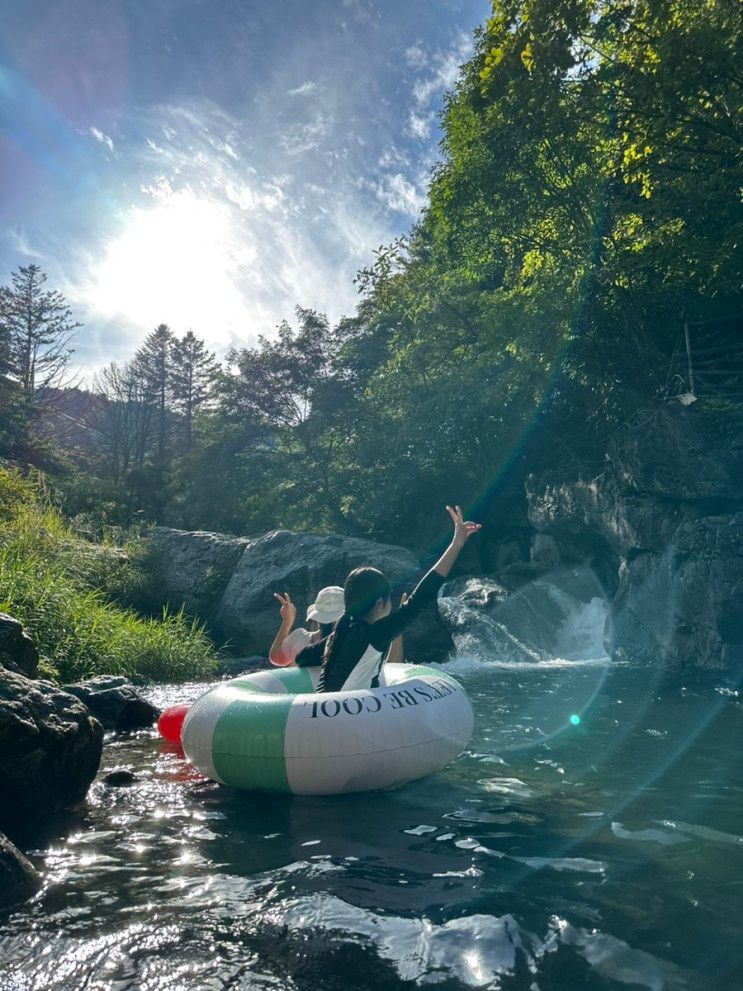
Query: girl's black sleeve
[[311, 655], [384, 631]]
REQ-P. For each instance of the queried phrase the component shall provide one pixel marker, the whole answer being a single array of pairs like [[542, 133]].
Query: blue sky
[[212, 163]]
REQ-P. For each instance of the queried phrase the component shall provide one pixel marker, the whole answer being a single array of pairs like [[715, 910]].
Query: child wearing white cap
[[324, 612]]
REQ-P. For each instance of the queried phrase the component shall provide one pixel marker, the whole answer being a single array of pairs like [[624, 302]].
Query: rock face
[[51, 748], [17, 650], [19, 879], [662, 527], [302, 564], [194, 567], [115, 703]]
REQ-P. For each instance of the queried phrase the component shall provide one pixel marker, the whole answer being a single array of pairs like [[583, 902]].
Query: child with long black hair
[[351, 656]]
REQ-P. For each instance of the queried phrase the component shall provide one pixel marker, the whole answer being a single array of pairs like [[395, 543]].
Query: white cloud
[[445, 73], [401, 195], [304, 89], [306, 137], [419, 125], [415, 57], [102, 138]]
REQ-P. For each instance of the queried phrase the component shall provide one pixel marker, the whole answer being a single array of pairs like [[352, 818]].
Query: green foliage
[[587, 200], [61, 588]]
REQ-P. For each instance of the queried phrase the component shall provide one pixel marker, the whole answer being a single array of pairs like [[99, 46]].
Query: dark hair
[[361, 590]]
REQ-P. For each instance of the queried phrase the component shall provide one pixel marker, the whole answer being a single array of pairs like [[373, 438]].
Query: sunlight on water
[[592, 827]]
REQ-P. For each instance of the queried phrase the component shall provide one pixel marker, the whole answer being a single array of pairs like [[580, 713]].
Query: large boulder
[[19, 879], [17, 650], [51, 748], [115, 703], [192, 569], [302, 564]]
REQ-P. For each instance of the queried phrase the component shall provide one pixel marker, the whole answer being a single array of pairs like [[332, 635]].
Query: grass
[[60, 587]]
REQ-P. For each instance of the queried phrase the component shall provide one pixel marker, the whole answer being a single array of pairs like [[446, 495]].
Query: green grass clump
[[51, 581]]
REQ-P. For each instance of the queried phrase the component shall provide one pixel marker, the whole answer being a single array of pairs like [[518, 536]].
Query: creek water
[[590, 838]]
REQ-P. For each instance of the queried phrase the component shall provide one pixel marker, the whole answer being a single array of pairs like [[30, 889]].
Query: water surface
[[590, 838]]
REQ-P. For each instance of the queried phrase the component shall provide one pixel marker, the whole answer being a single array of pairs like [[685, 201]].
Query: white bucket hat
[[328, 607]]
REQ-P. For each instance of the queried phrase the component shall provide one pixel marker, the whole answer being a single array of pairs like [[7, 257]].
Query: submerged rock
[[51, 747], [17, 649], [119, 779], [115, 703], [19, 879]]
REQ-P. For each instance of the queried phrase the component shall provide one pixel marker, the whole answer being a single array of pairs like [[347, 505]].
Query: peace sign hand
[[463, 529], [287, 609]]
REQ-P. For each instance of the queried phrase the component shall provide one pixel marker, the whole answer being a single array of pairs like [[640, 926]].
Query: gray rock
[[545, 552], [51, 748], [19, 879], [115, 703], [682, 609], [302, 564], [16, 647], [679, 453], [193, 568], [581, 512]]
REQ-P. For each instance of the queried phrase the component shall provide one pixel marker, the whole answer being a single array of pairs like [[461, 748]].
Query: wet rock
[[302, 564], [51, 747], [17, 650], [115, 703], [193, 568], [19, 879], [662, 526], [119, 779], [682, 609]]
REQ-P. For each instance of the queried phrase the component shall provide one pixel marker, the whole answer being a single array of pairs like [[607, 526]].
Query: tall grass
[[51, 581]]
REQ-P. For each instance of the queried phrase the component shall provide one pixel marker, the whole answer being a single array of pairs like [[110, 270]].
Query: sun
[[176, 263]]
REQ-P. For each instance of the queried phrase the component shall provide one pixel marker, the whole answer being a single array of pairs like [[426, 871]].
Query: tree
[[152, 367], [193, 376], [36, 328]]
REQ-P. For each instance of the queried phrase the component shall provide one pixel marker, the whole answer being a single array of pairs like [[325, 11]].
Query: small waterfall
[[557, 618]]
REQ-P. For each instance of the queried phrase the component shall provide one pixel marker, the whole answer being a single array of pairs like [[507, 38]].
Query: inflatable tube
[[271, 731]]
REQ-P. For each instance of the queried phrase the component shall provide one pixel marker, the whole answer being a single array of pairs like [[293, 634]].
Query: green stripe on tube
[[248, 743]]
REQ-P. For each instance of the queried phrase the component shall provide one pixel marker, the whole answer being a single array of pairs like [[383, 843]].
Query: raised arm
[[288, 613], [384, 631]]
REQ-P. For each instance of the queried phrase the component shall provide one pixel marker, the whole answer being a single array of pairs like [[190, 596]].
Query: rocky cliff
[[662, 525]]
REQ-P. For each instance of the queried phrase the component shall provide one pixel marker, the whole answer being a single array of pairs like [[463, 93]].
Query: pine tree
[[153, 367], [193, 377], [36, 327]]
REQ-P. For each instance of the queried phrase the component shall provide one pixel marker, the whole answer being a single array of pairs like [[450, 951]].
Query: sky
[[211, 164]]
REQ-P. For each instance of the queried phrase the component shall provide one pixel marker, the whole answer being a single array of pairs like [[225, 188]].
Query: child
[[351, 656], [325, 612]]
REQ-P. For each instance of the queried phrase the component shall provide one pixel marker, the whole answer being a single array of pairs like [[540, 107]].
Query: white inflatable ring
[[271, 731]]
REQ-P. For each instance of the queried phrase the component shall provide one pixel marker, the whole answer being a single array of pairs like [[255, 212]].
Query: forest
[[585, 206]]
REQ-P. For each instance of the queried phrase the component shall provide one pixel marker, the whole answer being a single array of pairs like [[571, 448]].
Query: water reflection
[[549, 856]]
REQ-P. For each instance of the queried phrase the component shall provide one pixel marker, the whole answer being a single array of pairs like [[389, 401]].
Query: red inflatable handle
[[170, 723]]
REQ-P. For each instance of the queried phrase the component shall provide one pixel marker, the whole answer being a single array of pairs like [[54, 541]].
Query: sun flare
[[175, 263]]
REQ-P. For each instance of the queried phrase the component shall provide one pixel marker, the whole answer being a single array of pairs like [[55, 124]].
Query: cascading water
[[557, 617]]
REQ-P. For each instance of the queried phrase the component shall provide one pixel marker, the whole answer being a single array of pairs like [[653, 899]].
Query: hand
[[287, 609], [463, 529], [403, 598]]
